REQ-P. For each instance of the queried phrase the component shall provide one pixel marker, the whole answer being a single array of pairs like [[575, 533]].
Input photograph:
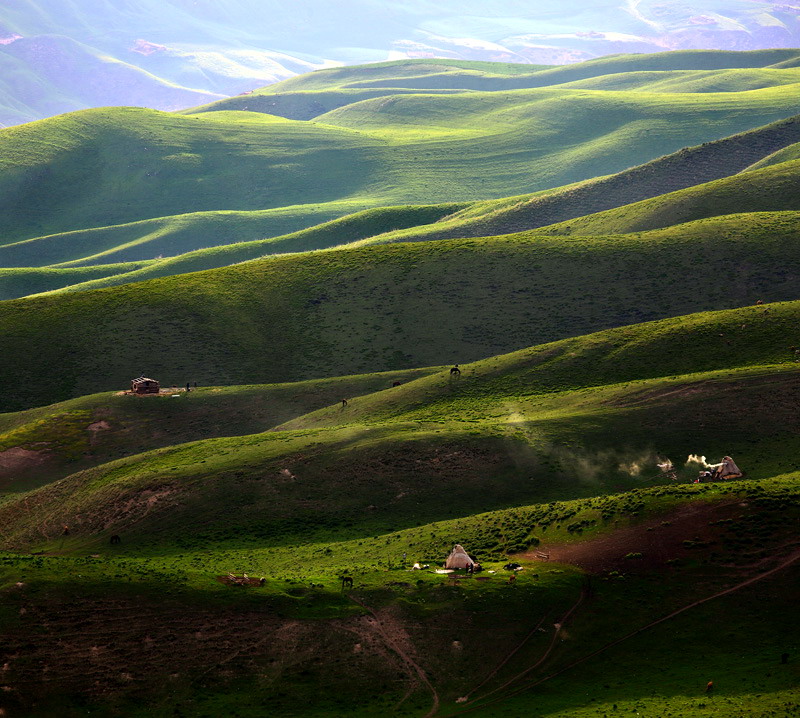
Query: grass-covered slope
[[385, 307], [65, 173], [101, 167], [343, 85], [41, 445], [181, 235], [688, 167], [770, 188], [580, 417], [20, 282], [223, 231], [718, 603]]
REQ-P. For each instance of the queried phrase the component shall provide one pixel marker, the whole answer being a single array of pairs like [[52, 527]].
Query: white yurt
[[458, 558]]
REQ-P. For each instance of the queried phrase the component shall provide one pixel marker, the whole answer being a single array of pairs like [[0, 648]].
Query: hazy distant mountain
[[178, 53]]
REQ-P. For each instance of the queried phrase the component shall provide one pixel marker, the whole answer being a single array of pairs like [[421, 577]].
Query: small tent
[[458, 558], [727, 469]]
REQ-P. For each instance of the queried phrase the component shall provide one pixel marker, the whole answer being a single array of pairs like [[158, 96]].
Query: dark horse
[[116, 539], [455, 371], [347, 582]]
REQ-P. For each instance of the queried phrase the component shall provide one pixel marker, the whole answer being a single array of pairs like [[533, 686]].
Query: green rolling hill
[[50, 442], [501, 143], [619, 307], [729, 71], [386, 307], [146, 241], [774, 187], [510, 430]]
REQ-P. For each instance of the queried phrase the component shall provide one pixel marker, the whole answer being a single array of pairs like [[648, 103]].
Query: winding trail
[[408, 660], [785, 564], [538, 663], [494, 671]]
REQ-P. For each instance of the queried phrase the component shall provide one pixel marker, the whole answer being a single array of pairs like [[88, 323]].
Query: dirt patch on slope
[[19, 459], [107, 648], [678, 534]]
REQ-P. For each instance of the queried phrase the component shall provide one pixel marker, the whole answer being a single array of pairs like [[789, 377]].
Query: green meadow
[[229, 182], [608, 253]]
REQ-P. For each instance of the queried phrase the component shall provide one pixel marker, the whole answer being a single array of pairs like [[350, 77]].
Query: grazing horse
[[455, 371], [115, 539], [347, 582], [396, 383]]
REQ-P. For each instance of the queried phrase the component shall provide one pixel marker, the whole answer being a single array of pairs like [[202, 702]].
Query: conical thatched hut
[[458, 558]]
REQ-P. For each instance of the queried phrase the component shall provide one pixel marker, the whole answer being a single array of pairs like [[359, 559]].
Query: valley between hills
[[394, 308]]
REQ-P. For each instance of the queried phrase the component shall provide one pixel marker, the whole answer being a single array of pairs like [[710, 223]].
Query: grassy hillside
[[311, 95], [225, 229], [443, 74], [686, 168], [181, 234], [40, 445], [384, 151], [773, 187], [792, 152], [385, 307], [172, 165], [581, 416], [600, 356], [404, 631], [16, 283], [653, 550]]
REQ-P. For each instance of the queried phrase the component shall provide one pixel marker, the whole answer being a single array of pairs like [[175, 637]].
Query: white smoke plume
[[701, 461], [665, 465]]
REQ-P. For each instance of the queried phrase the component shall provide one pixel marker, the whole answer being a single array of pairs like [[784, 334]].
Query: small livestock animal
[[455, 371], [512, 578], [347, 582], [115, 539]]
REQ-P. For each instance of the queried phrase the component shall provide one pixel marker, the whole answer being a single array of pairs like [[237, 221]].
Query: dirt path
[[785, 564], [407, 659], [494, 671], [538, 663]]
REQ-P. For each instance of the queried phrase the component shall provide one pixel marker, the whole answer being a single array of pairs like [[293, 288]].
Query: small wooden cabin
[[143, 385]]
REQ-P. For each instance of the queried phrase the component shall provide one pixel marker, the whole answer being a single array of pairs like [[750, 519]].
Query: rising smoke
[[701, 461]]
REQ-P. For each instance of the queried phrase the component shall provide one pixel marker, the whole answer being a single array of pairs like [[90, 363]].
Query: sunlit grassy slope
[[386, 307], [311, 633], [686, 168], [732, 70], [577, 417], [383, 151], [553, 445], [359, 490], [149, 239], [772, 187], [59, 439]]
